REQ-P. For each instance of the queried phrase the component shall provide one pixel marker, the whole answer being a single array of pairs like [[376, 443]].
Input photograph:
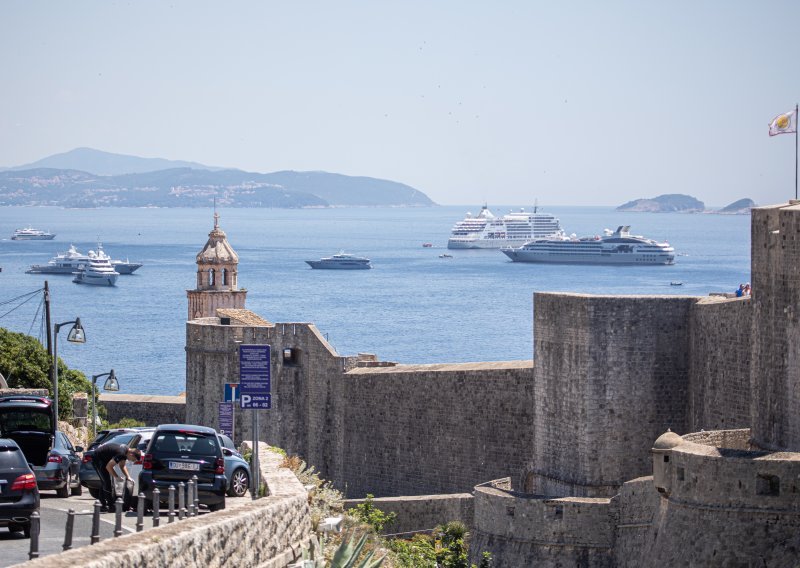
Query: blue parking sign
[[254, 377]]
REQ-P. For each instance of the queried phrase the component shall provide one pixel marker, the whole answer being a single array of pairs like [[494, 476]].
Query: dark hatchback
[[175, 454], [19, 495], [62, 470]]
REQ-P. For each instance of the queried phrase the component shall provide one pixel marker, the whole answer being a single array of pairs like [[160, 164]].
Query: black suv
[[19, 496], [176, 453]]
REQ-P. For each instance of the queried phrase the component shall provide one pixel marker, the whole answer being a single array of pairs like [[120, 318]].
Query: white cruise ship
[[618, 247], [486, 231]]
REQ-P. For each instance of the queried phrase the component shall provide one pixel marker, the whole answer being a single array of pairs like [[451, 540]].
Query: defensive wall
[[528, 530], [369, 426], [775, 384], [612, 374], [270, 533], [721, 338], [150, 409], [422, 513]]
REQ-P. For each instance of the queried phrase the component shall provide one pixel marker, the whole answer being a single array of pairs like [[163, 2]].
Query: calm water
[[413, 307]]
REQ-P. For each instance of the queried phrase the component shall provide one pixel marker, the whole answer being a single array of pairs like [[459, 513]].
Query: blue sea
[[413, 307]]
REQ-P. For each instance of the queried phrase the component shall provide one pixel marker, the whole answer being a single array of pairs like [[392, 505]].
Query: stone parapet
[[150, 409], [270, 533], [422, 513]]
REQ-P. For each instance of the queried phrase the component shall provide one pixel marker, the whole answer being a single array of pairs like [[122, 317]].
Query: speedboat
[[98, 272], [617, 247], [341, 261], [31, 234]]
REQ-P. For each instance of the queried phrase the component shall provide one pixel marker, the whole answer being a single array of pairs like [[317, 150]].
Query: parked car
[[237, 470], [20, 494], [135, 468], [62, 470], [88, 474], [30, 421], [176, 453]]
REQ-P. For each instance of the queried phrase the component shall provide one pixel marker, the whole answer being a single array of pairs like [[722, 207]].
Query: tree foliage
[[25, 364]]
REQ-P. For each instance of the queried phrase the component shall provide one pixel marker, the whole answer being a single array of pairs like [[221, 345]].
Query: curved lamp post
[[111, 384], [76, 335]]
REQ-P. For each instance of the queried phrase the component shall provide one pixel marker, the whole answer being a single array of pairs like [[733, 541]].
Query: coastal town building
[[647, 430]]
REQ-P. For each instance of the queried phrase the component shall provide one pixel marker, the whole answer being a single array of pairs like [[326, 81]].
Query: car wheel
[[95, 493], [77, 490], [15, 528], [64, 491], [240, 483], [26, 530]]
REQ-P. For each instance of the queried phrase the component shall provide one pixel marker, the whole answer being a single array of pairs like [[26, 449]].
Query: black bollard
[[140, 513], [171, 517], [181, 500], [68, 532], [196, 500], [96, 523], [35, 526], [190, 497], [118, 521], [156, 506]]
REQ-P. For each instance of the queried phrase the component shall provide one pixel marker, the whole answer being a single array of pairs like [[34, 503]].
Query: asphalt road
[[14, 547]]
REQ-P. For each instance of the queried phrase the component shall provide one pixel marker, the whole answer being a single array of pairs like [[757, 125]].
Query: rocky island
[[740, 207], [668, 203]]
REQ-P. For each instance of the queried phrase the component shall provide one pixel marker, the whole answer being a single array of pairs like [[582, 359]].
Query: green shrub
[[368, 514], [126, 423]]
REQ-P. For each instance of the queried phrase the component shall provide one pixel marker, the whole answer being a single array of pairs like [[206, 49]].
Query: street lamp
[[111, 384], [76, 335]]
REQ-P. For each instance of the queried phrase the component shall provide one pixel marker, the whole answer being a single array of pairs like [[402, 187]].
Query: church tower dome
[[217, 277]]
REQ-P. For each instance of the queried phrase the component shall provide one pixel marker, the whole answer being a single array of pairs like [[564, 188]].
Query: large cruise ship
[[486, 231], [618, 247]]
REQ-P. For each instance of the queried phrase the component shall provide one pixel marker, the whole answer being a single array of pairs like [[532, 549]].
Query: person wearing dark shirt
[[106, 457]]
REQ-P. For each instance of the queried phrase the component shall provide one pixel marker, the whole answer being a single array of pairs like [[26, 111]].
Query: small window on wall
[[291, 356], [768, 485]]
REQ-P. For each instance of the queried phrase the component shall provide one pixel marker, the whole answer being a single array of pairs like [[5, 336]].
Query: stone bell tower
[[217, 275]]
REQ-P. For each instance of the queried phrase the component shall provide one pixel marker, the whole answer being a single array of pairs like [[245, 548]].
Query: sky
[[507, 102]]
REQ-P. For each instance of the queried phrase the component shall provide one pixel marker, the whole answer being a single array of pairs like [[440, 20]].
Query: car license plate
[[184, 466]]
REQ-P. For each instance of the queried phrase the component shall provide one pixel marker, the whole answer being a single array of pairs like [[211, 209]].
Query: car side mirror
[[227, 452], [78, 449]]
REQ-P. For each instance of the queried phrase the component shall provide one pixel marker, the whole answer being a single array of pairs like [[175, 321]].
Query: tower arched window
[[224, 276], [211, 277]]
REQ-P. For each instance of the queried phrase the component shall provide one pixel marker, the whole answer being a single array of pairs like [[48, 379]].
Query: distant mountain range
[[679, 203], [90, 178]]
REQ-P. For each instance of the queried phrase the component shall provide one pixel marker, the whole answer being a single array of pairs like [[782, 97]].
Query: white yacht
[[98, 271], [486, 231], [617, 247], [71, 261], [31, 234], [341, 261]]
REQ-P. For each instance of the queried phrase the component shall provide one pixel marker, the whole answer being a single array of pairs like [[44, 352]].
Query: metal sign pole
[[233, 414], [256, 467]]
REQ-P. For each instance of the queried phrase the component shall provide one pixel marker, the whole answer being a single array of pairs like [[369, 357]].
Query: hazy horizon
[[586, 104]]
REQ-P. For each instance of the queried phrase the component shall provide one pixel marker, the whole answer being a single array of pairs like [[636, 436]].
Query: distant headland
[[90, 178], [680, 203]]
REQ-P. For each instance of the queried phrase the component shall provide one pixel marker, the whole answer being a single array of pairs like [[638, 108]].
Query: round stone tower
[[217, 277]]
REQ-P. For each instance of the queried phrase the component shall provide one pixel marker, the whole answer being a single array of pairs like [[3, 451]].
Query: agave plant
[[347, 554]]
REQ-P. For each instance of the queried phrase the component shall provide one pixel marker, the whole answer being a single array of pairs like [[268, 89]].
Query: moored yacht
[[31, 234], [98, 271], [341, 261], [617, 247], [71, 261]]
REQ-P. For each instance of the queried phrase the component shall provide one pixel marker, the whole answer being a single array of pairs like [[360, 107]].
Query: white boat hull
[[96, 280], [577, 258], [485, 243]]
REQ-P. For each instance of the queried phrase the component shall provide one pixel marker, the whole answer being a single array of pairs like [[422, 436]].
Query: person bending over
[[106, 457]]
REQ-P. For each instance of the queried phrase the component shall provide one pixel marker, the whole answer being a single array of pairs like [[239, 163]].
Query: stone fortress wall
[[573, 433]]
